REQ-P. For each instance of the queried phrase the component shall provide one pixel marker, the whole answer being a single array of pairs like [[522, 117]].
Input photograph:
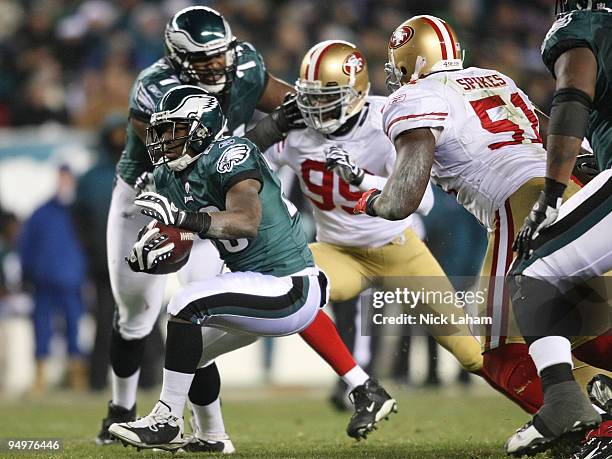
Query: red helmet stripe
[[439, 34], [452, 40], [316, 57]]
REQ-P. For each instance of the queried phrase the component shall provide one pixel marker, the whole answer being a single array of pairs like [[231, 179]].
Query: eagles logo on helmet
[[193, 37], [186, 121]]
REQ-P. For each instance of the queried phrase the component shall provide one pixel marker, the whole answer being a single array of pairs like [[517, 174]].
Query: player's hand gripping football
[[365, 205], [147, 251], [543, 214], [159, 207], [337, 159]]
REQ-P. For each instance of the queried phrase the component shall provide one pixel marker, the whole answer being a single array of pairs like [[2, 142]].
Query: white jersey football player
[[344, 152], [474, 133]]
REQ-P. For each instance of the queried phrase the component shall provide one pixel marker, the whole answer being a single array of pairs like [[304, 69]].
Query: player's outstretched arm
[[408, 181], [273, 94], [576, 72]]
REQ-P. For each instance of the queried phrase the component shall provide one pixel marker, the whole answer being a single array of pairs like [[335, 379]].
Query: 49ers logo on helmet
[[353, 61], [401, 36]]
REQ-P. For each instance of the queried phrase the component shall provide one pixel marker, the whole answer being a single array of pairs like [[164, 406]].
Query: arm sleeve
[[569, 31], [414, 108]]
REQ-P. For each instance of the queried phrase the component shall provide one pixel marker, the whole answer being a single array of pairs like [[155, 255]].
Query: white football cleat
[[160, 429]]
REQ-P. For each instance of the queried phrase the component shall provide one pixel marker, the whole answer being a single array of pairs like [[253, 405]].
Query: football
[[183, 241]]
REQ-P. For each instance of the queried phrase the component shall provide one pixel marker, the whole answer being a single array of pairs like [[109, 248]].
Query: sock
[[322, 336], [174, 390], [355, 377], [124, 389], [209, 420], [183, 353], [125, 358], [551, 350]]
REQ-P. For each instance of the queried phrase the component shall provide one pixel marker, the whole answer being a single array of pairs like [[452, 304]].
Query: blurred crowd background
[[66, 68]]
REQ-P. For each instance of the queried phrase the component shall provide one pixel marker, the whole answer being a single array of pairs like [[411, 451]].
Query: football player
[[561, 245], [343, 153], [200, 49], [475, 134], [235, 200]]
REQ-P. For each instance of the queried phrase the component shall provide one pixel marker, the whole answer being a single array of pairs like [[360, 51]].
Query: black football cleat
[[218, 445], [115, 414], [372, 403]]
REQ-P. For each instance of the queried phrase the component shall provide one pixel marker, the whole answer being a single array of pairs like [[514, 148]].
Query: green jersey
[[152, 83], [593, 30], [280, 247]]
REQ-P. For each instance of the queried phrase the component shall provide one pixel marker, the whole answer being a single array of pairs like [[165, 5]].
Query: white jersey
[[487, 140], [333, 199]]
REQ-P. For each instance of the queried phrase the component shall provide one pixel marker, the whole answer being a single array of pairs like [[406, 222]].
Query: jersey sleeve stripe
[[438, 116]]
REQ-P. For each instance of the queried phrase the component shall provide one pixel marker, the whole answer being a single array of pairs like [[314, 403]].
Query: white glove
[[338, 160], [158, 207], [144, 182], [146, 252]]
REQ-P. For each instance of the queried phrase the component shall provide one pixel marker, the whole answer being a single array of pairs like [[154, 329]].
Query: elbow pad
[[570, 112]]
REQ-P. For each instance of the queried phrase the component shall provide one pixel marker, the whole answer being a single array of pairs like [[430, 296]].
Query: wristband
[[196, 222]]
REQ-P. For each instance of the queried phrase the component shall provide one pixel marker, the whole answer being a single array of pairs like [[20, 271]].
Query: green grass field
[[287, 423]]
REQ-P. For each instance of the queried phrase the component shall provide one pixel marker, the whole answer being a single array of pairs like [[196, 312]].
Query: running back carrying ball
[[160, 249]]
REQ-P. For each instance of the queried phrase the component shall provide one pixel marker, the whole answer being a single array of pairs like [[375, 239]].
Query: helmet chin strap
[[214, 88], [182, 162]]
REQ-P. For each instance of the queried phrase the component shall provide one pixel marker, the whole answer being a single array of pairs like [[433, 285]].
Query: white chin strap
[[182, 162]]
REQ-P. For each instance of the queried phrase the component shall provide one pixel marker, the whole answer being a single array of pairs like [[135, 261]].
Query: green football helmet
[[187, 120], [565, 6], [196, 34]]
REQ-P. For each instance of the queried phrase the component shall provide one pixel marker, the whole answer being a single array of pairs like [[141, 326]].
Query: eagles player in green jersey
[[222, 189], [574, 239], [201, 50]]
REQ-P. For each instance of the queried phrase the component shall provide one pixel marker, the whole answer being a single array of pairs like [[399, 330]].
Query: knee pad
[[514, 374]]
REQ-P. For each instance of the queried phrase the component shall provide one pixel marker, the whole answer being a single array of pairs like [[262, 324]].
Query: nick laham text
[[430, 319]]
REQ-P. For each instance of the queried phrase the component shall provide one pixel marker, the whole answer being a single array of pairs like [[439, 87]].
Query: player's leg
[[371, 401], [577, 246], [209, 431], [43, 331], [408, 258], [245, 302], [138, 300]]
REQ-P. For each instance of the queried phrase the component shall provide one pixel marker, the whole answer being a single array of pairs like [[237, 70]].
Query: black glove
[[287, 116], [338, 160], [585, 168], [543, 214], [146, 252]]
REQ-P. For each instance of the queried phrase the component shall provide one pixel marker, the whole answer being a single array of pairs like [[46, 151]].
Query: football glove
[[158, 207], [543, 214], [585, 168], [337, 159], [146, 252], [144, 182], [288, 116], [365, 205]]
